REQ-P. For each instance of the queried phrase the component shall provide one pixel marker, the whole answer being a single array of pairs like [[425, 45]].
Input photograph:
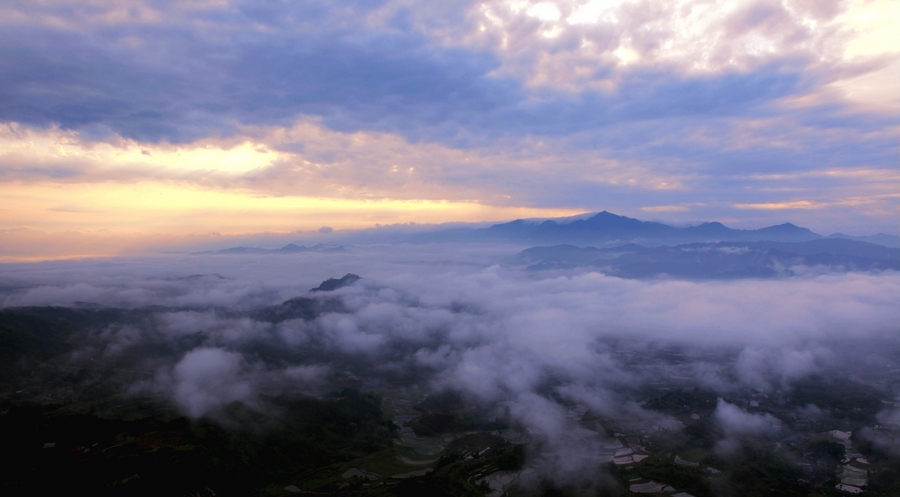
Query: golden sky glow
[[157, 120], [162, 207], [122, 214]]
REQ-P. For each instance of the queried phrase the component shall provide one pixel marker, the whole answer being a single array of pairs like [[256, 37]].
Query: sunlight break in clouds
[[57, 149], [702, 36]]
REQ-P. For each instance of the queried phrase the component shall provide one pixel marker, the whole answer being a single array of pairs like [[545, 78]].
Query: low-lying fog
[[522, 344]]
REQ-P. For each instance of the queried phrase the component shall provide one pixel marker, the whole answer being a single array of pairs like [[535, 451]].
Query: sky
[[126, 125]]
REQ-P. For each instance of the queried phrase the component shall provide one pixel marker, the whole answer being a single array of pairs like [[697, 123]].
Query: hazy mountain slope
[[606, 228], [715, 260]]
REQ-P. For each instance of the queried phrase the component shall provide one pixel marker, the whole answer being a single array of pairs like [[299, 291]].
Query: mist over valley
[[401, 248], [458, 368]]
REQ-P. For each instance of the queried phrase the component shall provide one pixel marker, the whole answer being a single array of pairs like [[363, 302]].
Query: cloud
[[739, 426], [206, 380], [885, 436], [298, 68], [622, 106], [738, 423], [519, 347], [763, 369], [422, 71]]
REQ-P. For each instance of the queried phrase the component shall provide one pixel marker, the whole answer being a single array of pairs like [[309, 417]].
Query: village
[[808, 451], [363, 432]]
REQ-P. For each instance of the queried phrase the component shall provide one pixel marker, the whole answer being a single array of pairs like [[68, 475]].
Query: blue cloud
[[375, 66], [182, 82]]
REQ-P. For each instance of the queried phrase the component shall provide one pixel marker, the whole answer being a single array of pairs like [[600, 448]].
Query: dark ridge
[[304, 308], [332, 284]]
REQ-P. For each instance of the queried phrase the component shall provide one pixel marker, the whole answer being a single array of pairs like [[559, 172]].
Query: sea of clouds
[[525, 346]]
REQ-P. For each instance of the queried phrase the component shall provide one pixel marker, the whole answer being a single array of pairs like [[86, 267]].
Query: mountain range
[[603, 229], [608, 229], [290, 248]]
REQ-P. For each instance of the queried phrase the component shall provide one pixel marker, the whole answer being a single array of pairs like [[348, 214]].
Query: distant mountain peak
[[784, 226], [293, 247], [711, 224]]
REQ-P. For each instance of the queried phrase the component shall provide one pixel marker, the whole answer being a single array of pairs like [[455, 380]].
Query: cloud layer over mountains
[[522, 346]]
